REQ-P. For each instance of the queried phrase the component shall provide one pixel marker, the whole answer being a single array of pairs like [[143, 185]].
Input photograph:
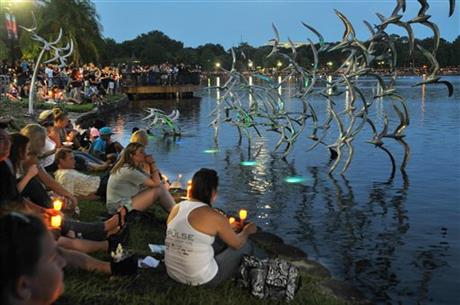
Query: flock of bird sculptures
[[266, 110]]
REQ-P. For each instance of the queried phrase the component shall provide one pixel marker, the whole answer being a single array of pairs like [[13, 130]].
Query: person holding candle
[[37, 136], [193, 231], [59, 133], [34, 190]]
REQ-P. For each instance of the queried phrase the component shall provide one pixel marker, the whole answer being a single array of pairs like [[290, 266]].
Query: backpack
[[269, 278]]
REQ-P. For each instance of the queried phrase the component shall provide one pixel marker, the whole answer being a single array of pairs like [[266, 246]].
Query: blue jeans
[[228, 262]]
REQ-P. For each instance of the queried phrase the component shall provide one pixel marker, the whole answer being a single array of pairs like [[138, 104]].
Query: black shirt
[[8, 186]]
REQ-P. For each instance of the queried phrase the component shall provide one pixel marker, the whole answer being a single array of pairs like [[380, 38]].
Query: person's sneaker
[[121, 237], [125, 267]]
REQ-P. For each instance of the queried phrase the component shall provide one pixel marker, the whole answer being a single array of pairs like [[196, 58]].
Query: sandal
[[122, 213]]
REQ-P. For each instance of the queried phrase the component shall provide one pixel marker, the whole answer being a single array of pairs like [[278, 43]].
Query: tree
[[79, 22]]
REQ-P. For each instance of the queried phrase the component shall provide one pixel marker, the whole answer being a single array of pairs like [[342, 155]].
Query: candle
[[231, 220], [56, 221], [243, 214], [57, 204]]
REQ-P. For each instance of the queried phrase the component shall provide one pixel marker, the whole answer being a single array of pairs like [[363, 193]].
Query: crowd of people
[[165, 74], [87, 83], [54, 84], [55, 160]]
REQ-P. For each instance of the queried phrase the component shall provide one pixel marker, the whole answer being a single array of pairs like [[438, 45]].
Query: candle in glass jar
[[57, 204], [56, 221], [231, 220], [243, 214]]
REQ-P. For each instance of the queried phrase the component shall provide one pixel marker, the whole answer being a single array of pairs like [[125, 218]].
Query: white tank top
[[189, 255]]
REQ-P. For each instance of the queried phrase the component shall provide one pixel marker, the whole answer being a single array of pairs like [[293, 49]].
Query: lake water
[[398, 239]]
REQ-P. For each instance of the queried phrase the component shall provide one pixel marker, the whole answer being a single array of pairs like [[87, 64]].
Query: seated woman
[[28, 259], [140, 136], [58, 133], [193, 226], [131, 187], [29, 186], [37, 138]]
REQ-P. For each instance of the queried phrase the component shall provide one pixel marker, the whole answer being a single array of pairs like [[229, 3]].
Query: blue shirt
[[99, 145]]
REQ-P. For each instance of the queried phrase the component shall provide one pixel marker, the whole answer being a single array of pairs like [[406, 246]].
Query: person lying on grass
[[84, 187], [195, 234], [131, 187]]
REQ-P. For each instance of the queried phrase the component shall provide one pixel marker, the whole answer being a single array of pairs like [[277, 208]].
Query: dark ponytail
[[204, 182]]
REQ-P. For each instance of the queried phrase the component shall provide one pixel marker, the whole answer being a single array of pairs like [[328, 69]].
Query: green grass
[[153, 286]]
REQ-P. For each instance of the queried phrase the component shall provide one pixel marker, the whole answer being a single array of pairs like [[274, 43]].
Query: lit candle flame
[[57, 204], [243, 214], [56, 221], [231, 220]]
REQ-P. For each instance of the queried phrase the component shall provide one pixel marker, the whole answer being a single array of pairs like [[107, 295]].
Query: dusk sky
[[230, 22]]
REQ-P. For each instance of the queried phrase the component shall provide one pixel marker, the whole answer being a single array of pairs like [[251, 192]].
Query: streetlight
[[217, 65], [250, 64], [329, 64], [279, 64]]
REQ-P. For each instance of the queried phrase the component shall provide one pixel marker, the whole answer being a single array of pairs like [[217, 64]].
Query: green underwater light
[[248, 163], [211, 151], [295, 179]]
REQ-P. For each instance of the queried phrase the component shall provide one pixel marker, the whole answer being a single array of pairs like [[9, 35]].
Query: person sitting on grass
[[104, 148], [59, 133], [141, 136], [84, 187], [131, 187], [12, 190], [37, 137], [192, 256]]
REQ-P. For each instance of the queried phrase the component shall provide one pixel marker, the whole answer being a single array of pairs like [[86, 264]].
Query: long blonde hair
[[140, 136], [37, 138], [127, 158]]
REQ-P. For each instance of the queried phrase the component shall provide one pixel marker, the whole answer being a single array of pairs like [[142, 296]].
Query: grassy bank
[[153, 286], [18, 109]]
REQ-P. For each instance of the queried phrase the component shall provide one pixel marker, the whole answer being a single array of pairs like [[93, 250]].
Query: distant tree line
[[155, 48], [80, 22]]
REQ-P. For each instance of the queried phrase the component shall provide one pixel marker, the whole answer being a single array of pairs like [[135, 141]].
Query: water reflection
[[397, 239]]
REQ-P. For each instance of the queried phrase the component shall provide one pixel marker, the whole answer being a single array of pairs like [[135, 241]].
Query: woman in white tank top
[[191, 234]]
